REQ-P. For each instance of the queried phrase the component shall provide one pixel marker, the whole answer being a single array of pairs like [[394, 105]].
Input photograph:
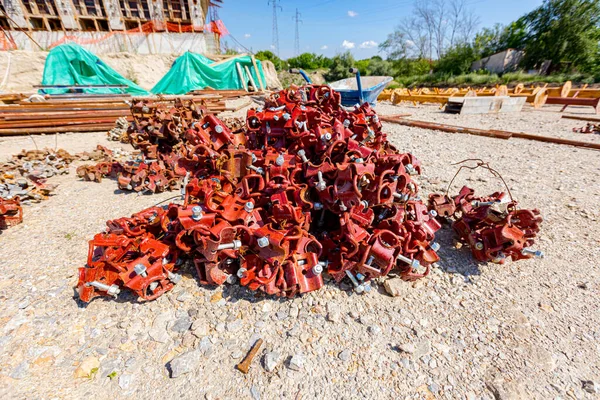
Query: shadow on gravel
[[453, 260]]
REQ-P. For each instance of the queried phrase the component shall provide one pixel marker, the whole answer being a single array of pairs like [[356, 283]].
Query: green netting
[[71, 64], [193, 71]]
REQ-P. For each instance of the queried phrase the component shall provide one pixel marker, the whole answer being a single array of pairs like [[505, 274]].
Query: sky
[[329, 27]]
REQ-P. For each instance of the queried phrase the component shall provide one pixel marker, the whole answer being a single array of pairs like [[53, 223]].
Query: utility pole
[[297, 41], [275, 30]]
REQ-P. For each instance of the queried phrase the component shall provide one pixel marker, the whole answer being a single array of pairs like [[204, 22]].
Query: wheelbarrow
[[351, 90]]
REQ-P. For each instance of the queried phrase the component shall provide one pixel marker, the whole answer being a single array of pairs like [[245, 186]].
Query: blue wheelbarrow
[[352, 91]]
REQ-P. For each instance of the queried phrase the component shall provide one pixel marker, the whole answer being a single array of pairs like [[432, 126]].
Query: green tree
[[564, 32], [457, 60], [270, 56], [340, 65], [379, 67], [499, 38]]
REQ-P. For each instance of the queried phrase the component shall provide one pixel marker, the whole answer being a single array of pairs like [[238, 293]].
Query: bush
[[457, 60], [379, 67], [269, 55], [340, 66], [309, 61]]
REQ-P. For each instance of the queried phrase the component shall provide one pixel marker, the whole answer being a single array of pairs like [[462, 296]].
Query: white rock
[[272, 360], [297, 362]]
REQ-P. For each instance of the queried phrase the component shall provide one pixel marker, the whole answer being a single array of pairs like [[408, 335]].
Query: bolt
[[498, 259], [360, 277], [280, 160], [352, 278], [375, 118], [318, 206], [435, 246], [479, 246], [343, 207], [262, 242], [302, 154], [253, 157], [112, 290], [286, 116], [175, 278], [326, 137], [249, 206], [231, 279], [410, 169], [476, 203], [140, 269], [317, 269], [412, 262], [275, 117], [433, 213], [400, 196], [299, 124], [219, 129], [346, 123], [258, 170], [241, 272], [367, 287], [321, 185], [365, 204], [153, 286], [196, 213], [535, 253], [370, 260], [236, 244]]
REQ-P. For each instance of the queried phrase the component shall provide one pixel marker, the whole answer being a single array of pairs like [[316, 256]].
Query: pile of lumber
[[90, 113]]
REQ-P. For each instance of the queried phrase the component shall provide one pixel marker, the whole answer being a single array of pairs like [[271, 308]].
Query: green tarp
[[71, 64], [193, 71]]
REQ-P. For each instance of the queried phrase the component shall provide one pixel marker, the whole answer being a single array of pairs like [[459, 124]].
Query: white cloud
[[247, 35], [324, 47], [409, 43], [347, 45], [369, 44], [352, 14]]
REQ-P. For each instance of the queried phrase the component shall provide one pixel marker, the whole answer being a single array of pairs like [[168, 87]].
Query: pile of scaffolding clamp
[[307, 188]]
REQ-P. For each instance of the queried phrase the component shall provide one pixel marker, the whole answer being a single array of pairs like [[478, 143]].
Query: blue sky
[[331, 22]]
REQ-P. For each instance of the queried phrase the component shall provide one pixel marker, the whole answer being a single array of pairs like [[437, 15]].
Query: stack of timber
[[90, 113]]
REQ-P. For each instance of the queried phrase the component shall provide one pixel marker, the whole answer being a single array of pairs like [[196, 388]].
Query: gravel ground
[[526, 330]]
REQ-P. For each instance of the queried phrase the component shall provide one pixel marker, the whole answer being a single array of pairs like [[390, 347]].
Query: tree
[[562, 31], [270, 56], [340, 66], [379, 67], [499, 38], [457, 60], [309, 61]]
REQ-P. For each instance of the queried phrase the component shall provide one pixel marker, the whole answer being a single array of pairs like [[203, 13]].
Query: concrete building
[[87, 22]]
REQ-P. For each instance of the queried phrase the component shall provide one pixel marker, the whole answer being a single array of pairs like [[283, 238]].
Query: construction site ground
[[526, 330]]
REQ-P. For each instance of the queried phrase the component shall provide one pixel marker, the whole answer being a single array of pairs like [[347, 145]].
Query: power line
[[275, 30], [297, 41]]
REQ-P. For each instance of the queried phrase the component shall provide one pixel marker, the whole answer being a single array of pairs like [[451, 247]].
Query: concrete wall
[[498, 63], [115, 42]]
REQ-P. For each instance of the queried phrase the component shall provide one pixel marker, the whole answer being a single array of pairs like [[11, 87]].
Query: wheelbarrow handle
[[356, 72], [301, 72]]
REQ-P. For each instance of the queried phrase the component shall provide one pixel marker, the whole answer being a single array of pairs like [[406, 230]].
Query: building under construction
[[142, 26]]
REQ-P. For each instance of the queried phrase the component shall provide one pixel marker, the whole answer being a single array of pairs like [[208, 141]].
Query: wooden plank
[[485, 105], [260, 82], [256, 88], [241, 75]]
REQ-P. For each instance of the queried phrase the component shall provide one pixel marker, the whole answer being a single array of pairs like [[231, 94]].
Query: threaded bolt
[[262, 242], [280, 160], [256, 169], [173, 277], [536, 253], [412, 262], [219, 129], [112, 290], [317, 269], [326, 137], [241, 272], [302, 154], [435, 246], [346, 123], [249, 207], [236, 244], [321, 185], [197, 213], [410, 169], [140, 269], [433, 213], [479, 246], [287, 116], [476, 203]]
